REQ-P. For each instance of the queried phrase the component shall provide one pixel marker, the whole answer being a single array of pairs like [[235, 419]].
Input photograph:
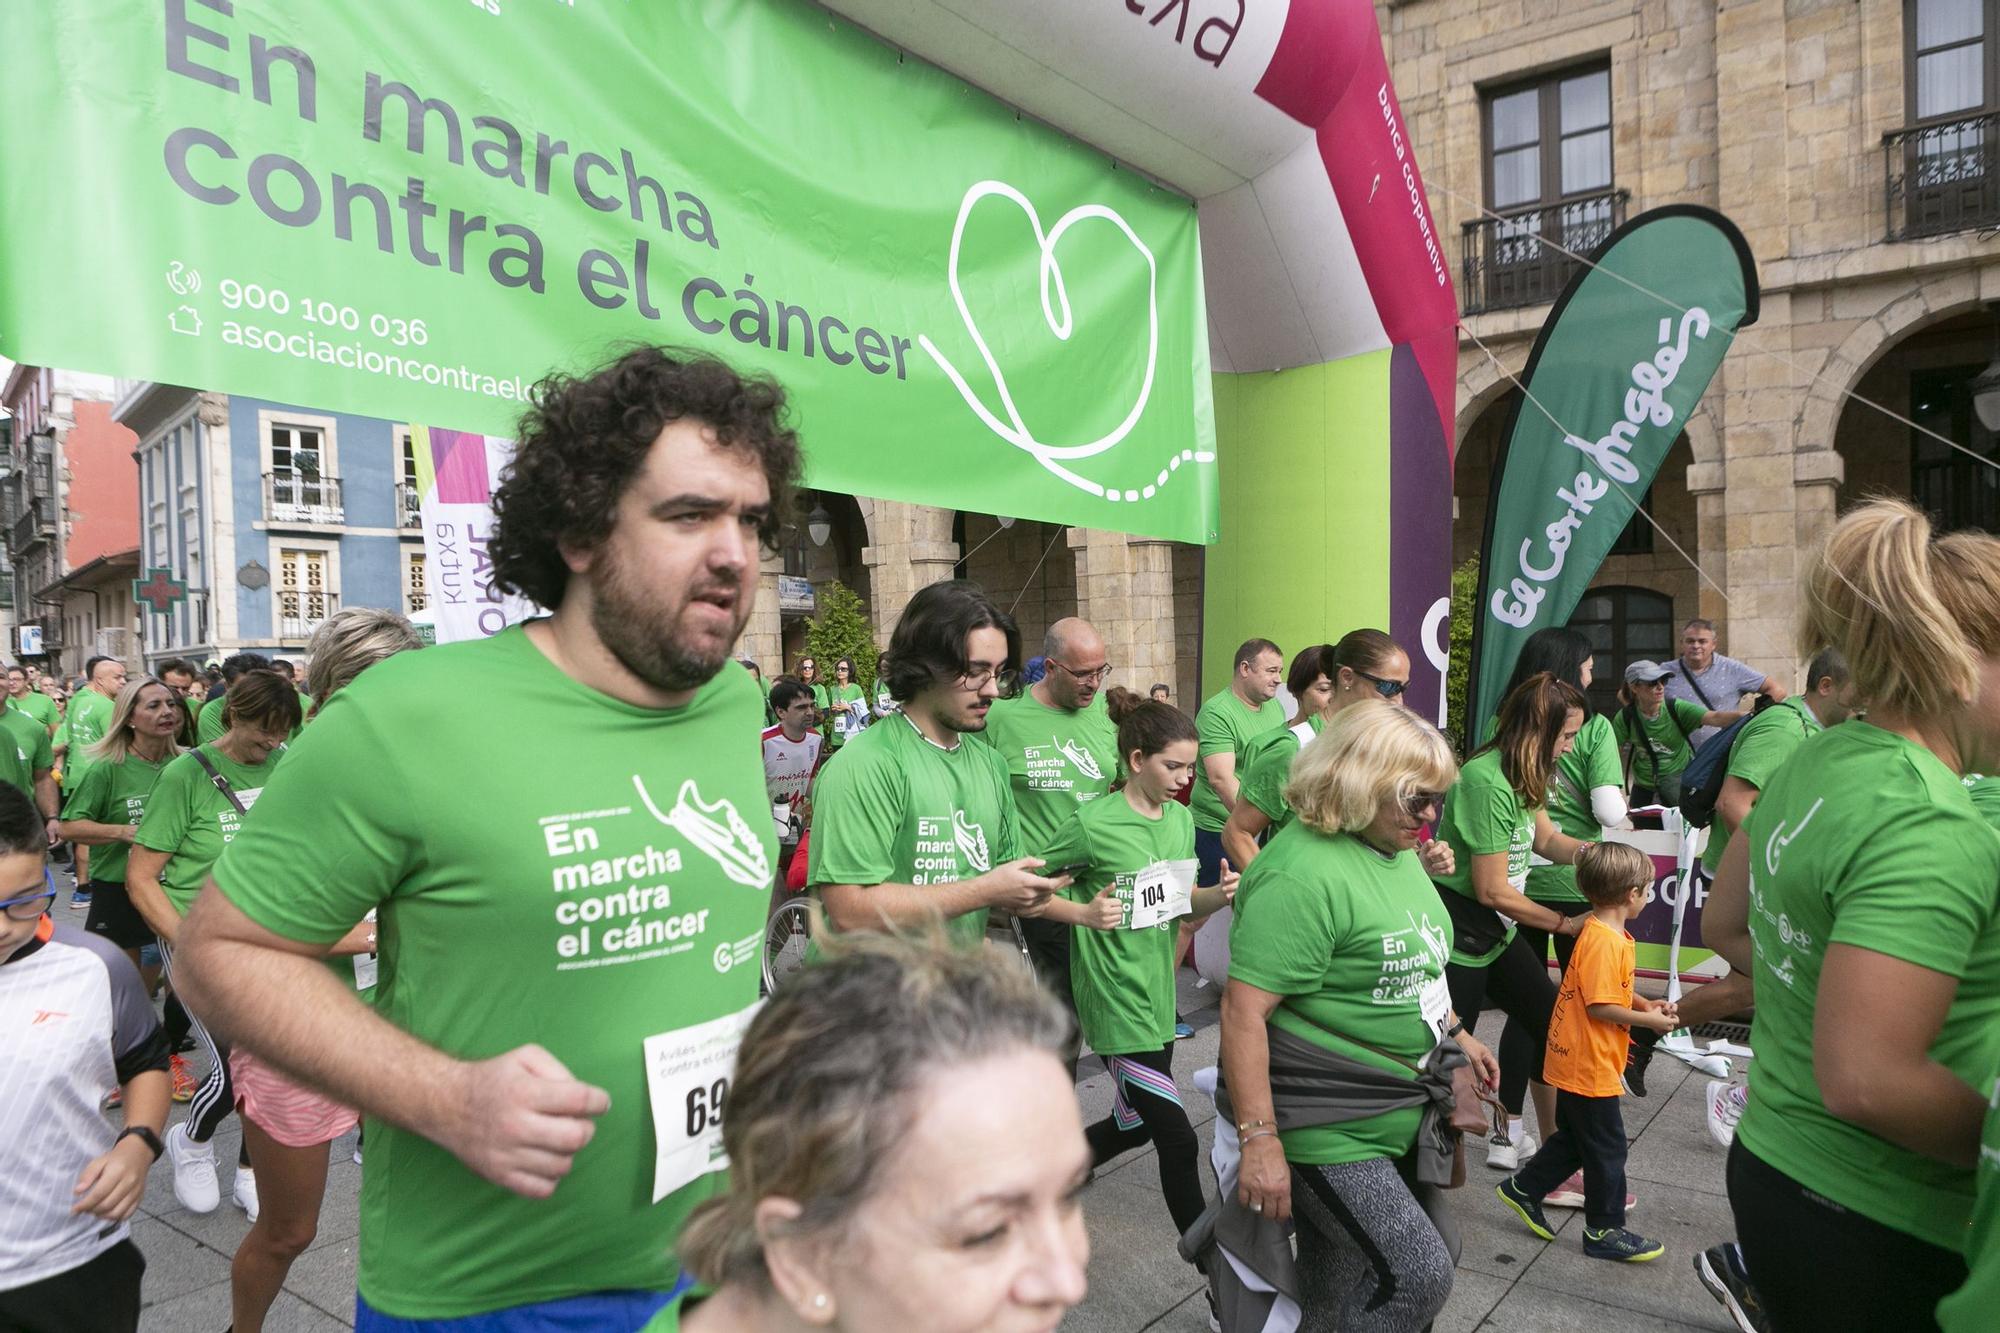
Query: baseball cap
[[1644, 672]]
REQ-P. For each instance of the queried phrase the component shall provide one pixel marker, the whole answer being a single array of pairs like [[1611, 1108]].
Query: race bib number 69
[[687, 1081]]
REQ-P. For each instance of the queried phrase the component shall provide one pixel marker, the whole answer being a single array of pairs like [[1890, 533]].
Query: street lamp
[[1004, 521], [819, 524], [1985, 385]]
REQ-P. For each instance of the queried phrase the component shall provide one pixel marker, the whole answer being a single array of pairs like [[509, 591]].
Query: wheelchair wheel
[[785, 940]]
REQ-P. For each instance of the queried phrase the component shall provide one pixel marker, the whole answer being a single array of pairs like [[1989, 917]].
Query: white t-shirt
[[788, 770]]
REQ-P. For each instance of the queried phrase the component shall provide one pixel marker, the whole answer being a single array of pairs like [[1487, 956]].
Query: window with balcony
[[409, 496], [1941, 170], [301, 479], [1549, 176], [304, 590]]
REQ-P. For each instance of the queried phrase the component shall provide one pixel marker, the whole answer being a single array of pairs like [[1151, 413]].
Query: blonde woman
[[1871, 887], [287, 1128], [904, 1153], [1337, 970]]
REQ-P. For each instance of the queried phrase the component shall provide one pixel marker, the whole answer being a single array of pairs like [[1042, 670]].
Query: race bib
[[1435, 1003], [365, 964], [687, 1079], [853, 717], [1161, 892]]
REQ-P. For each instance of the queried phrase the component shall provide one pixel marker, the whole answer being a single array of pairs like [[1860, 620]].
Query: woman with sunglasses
[[1493, 818], [809, 677], [1337, 972], [847, 704], [69, 1180], [1365, 664]]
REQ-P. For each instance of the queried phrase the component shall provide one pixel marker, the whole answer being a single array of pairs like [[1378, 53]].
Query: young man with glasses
[[74, 1021], [1061, 749], [910, 822]]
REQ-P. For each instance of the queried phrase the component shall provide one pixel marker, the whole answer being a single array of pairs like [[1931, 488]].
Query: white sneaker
[[245, 1193], [1725, 1107], [194, 1171], [1508, 1155]]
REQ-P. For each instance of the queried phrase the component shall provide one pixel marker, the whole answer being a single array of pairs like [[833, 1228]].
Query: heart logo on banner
[[1061, 322]]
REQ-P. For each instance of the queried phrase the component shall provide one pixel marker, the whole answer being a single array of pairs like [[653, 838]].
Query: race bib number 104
[[1162, 891]]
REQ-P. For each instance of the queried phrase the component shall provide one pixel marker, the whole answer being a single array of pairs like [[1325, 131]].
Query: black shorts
[[101, 1296], [113, 916]]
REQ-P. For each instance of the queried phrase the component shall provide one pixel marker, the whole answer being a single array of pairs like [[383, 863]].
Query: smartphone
[[1057, 872]]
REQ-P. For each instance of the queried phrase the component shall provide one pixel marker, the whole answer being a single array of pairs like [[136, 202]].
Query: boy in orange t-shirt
[[1587, 1044]]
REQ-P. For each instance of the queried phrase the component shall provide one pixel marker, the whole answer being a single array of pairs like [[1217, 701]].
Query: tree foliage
[[840, 629], [1464, 589]]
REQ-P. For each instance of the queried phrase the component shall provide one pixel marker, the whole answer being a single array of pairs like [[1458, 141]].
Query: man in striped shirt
[[74, 1023]]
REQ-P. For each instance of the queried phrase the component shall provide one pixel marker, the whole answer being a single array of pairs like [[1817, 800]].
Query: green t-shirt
[[1266, 767], [88, 719], [1226, 725], [1970, 1309], [1123, 980], [37, 706], [210, 725], [1351, 938], [1765, 742], [188, 818], [1484, 815], [1666, 734], [1867, 840], [24, 751], [117, 794], [1591, 762], [586, 885], [894, 808], [1057, 759]]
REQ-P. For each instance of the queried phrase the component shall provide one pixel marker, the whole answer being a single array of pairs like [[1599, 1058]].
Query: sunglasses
[[1423, 804], [1388, 689], [32, 906]]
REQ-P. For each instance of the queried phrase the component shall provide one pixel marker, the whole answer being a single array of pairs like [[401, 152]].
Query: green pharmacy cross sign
[[159, 590]]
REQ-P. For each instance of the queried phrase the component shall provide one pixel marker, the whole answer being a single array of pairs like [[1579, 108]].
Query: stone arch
[[1932, 303], [1482, 384]]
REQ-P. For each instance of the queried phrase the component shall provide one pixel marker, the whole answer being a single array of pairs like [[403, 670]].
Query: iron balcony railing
[[409, 506], [35, 523], [1514, 261], [1942, 178], [294, 497]]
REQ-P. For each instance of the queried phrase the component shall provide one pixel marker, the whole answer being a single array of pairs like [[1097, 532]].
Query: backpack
[[1702, 779]]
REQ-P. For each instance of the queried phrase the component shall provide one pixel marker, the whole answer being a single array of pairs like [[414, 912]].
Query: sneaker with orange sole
[[184, 1083]]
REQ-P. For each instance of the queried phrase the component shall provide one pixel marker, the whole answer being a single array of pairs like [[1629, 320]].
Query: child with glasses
[[74, 1023]]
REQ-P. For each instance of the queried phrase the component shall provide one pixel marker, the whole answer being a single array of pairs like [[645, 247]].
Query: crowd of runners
[[507, 901]]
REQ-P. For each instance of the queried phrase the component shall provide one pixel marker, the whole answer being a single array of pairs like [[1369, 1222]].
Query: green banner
[[413, 209], [1621, 362]]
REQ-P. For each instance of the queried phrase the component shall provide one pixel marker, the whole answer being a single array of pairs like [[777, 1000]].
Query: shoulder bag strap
[[221, 783], [1695, 685], [1641, 741]]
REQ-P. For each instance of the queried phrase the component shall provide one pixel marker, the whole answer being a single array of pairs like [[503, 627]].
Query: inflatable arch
[[1331, 313]]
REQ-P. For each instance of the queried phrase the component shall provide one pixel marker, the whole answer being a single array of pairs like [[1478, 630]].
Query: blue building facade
[[273, 516]]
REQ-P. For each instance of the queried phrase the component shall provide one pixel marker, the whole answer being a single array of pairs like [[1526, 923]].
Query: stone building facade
[[1856, 143]]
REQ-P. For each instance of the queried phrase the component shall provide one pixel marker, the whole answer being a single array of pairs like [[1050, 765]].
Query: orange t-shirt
[[1584, 1056]]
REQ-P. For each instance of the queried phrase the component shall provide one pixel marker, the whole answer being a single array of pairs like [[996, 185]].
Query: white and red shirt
[[789, 766]]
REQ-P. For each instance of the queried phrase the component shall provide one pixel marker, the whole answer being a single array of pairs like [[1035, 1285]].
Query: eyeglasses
[[1388, 689], [1423, 804], [31, 907], [977, 677], [1083, 677]]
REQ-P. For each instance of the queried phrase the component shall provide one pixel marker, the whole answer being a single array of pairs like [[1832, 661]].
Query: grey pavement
[[1507, 1279]]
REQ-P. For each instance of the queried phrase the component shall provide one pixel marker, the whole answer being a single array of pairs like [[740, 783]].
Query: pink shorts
[[296, 1117]]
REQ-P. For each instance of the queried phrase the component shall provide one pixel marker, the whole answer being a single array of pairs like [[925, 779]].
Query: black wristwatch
[[145, 1136], [1455, 1028]]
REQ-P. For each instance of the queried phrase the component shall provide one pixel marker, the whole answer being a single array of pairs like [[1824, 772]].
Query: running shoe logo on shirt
[[1779, 840], [1084, 761], [971, 840], [717, 831]]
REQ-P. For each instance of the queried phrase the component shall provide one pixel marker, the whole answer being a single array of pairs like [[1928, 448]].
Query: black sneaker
[[1527, 1209], [1636, 1061], [1720, 1268], [1620, 1246]]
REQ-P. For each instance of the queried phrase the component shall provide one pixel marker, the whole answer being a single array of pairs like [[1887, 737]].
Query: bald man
[[1061, 750]]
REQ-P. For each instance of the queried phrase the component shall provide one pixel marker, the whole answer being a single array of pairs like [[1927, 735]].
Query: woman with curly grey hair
[[905, 1153]]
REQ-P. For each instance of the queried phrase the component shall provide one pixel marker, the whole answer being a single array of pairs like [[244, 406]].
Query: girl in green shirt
[[1495, 815], [1874, 941], [1122, 975]]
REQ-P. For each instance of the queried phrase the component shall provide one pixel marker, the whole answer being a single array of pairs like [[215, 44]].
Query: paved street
[[1506, 1280]]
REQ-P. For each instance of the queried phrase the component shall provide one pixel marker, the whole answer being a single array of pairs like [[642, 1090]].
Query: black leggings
[[1146, 1088], [1518, 984], [1517, 1048], [1818, 1265], [216, 1097]]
